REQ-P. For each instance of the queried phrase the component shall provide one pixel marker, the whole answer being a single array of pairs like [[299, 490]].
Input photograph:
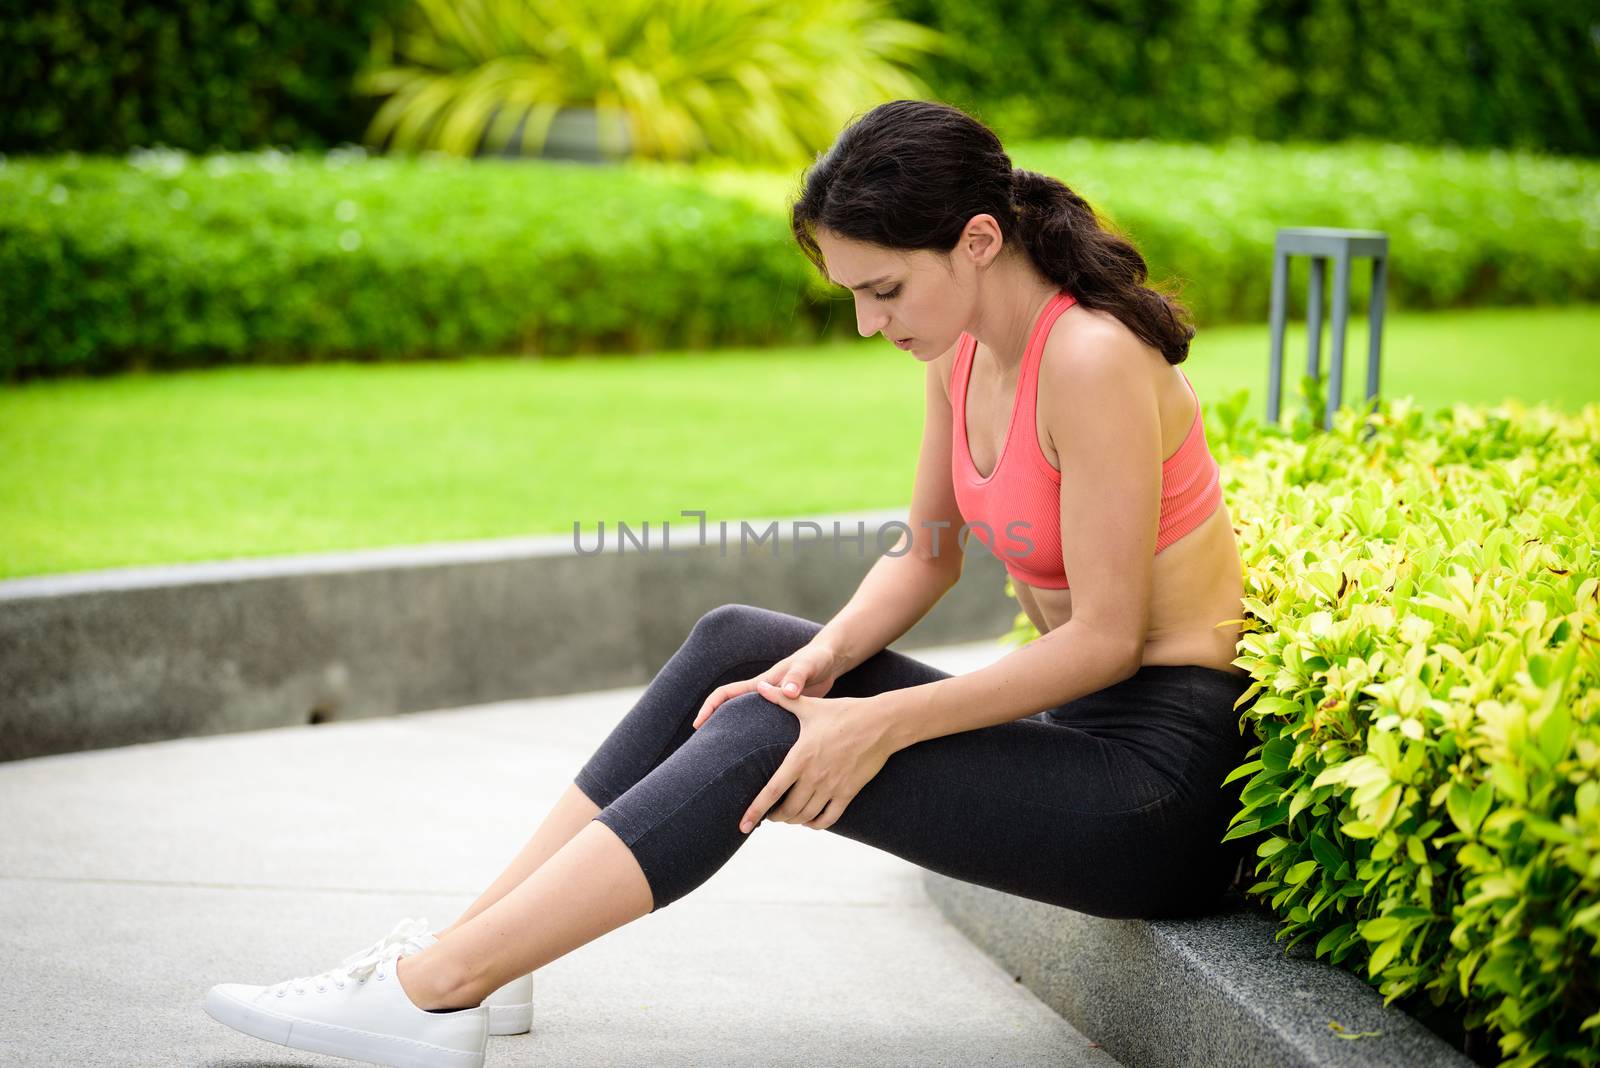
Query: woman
[[1084, 769]]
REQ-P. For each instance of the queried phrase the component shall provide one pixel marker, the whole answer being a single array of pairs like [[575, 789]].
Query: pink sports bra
[[1020, 501]]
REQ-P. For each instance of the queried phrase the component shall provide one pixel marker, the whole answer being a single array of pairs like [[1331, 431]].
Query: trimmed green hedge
[[173, 262], [168, 260], [1465, 228], [1422, 626]]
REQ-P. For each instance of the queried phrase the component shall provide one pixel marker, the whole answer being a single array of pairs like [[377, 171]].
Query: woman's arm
[[896, 593], [1067, 663]]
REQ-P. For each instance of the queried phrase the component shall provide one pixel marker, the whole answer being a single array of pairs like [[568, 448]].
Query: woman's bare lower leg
[[566, 819], [591, 885]]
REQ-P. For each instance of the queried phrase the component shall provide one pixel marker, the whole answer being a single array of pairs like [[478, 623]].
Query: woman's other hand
[[808, 672]]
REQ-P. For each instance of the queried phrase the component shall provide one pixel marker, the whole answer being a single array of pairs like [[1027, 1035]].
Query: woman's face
[[912, 294]]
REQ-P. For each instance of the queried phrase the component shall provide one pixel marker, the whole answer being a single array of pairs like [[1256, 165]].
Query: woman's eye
[[895, 292]]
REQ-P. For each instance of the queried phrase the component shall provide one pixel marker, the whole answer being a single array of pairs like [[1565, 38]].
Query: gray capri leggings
[[1112, 804]]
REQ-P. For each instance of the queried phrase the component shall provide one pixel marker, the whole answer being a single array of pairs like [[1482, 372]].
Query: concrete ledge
[[1211, 992], [106, 658]]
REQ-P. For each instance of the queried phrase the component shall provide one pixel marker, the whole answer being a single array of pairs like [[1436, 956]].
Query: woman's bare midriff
[[1196, 582], [1190, 594]]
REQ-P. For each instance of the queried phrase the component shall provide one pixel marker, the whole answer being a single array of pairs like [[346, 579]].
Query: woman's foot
[[510, 1008], [358, 1010], [423, 994]]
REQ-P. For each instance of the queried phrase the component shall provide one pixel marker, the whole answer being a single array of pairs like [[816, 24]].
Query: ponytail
[[1068, 244]]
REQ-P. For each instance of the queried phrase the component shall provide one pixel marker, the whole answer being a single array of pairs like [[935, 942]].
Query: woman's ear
[[981, 240]]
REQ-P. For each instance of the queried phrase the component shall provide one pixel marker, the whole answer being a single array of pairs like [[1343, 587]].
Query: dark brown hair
[[910, 174]]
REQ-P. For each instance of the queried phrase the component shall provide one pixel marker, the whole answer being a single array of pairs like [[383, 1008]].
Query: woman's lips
[[906, 344]]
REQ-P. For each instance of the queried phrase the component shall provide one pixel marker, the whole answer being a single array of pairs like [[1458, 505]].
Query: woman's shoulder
[[1098, 344], [1082, 339]]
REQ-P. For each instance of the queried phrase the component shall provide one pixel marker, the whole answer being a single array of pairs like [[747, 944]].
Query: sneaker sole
[[510, 1019], [334, 1040]]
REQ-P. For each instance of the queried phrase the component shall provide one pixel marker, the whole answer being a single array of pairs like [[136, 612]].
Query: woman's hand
[[809, 671], [842, 745]]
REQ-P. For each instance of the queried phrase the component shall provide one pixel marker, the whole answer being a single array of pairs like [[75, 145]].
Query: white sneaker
[[359, 1011], [510, 1007]]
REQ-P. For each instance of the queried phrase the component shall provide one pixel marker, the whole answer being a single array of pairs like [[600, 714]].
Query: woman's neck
[[1012, 299]]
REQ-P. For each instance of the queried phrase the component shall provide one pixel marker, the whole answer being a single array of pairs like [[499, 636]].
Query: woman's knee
[[727, 624], [754, 721], [719, 621], [746, 631]]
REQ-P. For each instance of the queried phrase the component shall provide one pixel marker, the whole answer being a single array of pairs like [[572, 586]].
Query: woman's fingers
[[791, 680], [721, 694], [715, 698], [788, 771]]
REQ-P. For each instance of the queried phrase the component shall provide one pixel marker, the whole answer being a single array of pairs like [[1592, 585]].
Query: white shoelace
[[405, 938], [405, 932]]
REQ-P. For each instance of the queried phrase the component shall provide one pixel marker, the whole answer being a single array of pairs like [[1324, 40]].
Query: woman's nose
[[869, 323]]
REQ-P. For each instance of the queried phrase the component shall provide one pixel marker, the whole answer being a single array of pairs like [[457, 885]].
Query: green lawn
[[265, 460]]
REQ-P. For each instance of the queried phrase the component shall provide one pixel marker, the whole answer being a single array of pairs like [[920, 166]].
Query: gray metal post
[[1280, 317], [1380, 278], [1319, 272], [1340, 315]]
